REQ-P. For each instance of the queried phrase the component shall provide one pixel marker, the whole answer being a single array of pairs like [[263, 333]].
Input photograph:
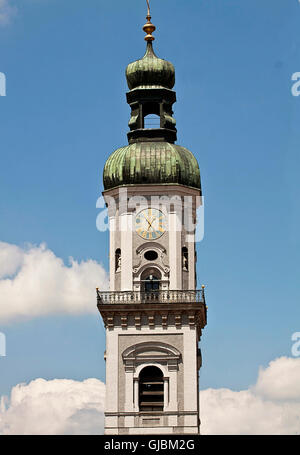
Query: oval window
[[150, 255]]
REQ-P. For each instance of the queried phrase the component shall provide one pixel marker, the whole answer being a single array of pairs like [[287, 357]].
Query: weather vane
[[149, 27]]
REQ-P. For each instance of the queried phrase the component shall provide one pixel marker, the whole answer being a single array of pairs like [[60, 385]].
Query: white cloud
[[35, 282], [272, 406], [225, 411], [53, 407], [281, 380], [7, 11], [11, 258], [71, 407]]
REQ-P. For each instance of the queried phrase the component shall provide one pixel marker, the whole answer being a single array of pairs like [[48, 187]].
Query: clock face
[[150, 224]]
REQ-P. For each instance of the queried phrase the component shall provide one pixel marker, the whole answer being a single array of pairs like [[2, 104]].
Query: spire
[[150, 81], [149, 28], [150, 71]]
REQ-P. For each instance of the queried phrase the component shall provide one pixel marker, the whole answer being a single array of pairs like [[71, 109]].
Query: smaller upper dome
[[150, 71]]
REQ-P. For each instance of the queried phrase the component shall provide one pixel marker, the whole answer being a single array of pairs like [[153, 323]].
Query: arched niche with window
[[151, 280], [151, 389], [118, 260], [185, 259]]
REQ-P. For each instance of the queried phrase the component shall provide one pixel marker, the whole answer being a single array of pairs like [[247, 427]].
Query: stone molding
[[163, 316], [151, 351]]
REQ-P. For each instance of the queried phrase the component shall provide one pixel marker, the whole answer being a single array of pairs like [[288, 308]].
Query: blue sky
[[65, 112]]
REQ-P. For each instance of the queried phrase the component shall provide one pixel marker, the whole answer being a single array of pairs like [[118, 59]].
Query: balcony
[[159, 297]]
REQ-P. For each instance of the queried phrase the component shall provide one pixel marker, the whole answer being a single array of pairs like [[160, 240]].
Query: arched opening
[[152, 283], [118, 260], [151, 121], [151, 389], [185, 258], [151, 280]]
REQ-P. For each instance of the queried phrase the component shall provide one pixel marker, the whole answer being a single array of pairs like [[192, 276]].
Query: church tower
[[153, 313]]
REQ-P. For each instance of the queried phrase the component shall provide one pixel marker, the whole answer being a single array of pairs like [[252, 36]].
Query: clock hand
[[149, 222], [150, 226]]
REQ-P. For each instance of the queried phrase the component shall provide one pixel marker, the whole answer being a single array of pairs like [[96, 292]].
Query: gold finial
[[203, 286], [149, 28]]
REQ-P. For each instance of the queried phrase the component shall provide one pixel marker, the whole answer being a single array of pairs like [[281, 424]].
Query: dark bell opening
[[151, 389]]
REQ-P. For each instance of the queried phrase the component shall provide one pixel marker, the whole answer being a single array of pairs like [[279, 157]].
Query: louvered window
[[151, 389]]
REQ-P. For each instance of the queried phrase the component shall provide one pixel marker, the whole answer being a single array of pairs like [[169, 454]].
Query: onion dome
[[150, 71], [151, 163]]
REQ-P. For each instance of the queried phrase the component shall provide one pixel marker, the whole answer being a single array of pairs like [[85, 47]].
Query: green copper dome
[[150, 71], [151, 163]]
